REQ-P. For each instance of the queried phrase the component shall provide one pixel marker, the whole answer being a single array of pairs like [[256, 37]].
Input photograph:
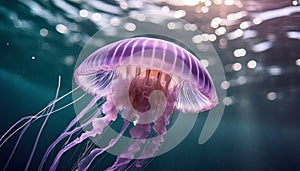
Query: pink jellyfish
[[142, 81]]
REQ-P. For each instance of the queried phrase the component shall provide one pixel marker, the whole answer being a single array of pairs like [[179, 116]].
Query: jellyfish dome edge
[[195, 89]]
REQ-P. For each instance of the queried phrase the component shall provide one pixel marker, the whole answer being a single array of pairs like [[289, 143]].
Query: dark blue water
[[41, 40]]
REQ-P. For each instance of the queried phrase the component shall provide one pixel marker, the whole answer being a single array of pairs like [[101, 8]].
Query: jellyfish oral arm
[[98, 125], [85, 163]]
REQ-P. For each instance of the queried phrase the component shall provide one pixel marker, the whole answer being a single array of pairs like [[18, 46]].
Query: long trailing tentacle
[[51, 147], [43, 125], [25, 126], [99, 124], [139, 132], [15, 147], [17, 127], [110, 115], [150, 149], [69, 132], [85, 163]]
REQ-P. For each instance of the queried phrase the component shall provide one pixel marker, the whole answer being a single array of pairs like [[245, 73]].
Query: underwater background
[[257, 41]]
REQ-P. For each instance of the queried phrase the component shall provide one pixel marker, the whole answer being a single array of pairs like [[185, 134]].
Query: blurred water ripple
[[258, 43]]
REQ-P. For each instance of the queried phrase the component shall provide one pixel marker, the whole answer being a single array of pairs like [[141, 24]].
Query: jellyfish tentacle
[[111, 115], [161, 123], [16, 145], [67, 131], [66, 148], [63, 107], [85, 163], [46, 112], [23, 130], [148, 152], [83, 112], [139, 132], [12, 131], [37, 138], [2, 140], [160, 128], [98, 126], [43, 125], [142, 131], [53, 145], [26, 125], [151, 147]]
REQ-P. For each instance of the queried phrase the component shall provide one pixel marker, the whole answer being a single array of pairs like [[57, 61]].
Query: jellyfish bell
[[138, 66], [143, 81]]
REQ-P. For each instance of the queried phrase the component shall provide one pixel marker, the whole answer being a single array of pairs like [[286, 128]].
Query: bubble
[[218, 2], [204, 62], [235, 34], [212, 37], [220, 31], [227, 101], [271, 96], [223, 42], [73, 27], [262, 46], [43, 32], [138, 4], [252, 64], [62, 29], [165, 9], [225, 85], [190, 27], [198, 9], [69, 60], [295, 2], [236, 66], [124, 5], [298, 62], [83, 13], [275, 70], [197, 39], [96, 17], [215, 22], [179, 14], [115, 21], [130, 26], [241, 80], [204, 9], [257, 21], [141, 17], [239, 52], [229, 2], [239, 4], [245, 25], [207, 3], [171, 25]]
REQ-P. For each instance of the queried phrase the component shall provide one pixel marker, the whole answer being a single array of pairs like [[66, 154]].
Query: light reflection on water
[[258, 43]]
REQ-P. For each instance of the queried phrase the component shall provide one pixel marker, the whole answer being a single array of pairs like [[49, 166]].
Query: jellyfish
[[142, 82]]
